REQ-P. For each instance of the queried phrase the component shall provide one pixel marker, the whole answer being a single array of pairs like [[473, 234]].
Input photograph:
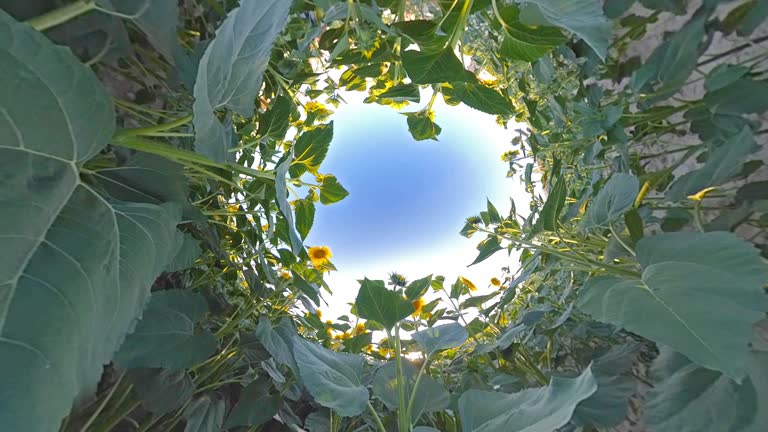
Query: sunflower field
[[155, 201]]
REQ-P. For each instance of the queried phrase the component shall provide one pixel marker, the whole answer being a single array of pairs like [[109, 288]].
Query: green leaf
[[231, 70], [256, 405], [305, 216], [166, 335], [281, 196], [525, 43], [542, 409], [331, 191], [687, 397], [417, 288], [356, 344], [402, 93], [481, 98], [608, 406], [275, 122], [376, 303], [333, 379], [434, 68], [672, 62], [634, 224], [585, 18], [186, 256], [147, 178], [487, 248], [205, 414], [430, 395], [687, 276], [156, 18], [310, 149], [744, 96], [441, 337], [722, 164], [310, 290], [161, 390], [278, 345], [724, 75], [614, 199], [81, 264], [553, 206], [677, 7], [421, 125]]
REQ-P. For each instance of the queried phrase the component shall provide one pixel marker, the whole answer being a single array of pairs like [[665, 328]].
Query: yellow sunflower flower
[[319, 255], [495, 282], [359, 329], [418, 304], [319, 313], [468, 283], [285, 275]]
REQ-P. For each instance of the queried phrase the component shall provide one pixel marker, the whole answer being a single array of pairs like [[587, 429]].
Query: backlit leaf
[[433, 68], [441, 337], [613, 200], [375, 302], [231, 69]]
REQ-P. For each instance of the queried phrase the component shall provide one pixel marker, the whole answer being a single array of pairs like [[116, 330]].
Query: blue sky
[[409, 199]]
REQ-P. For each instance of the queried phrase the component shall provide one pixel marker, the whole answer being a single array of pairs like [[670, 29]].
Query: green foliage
[[376, 303], [533, 410]]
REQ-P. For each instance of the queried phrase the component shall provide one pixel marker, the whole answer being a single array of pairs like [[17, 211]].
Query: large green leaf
[[441, 337], [275, 122], [480, 97], [186, 255], [526, 43], [422, 126], [331, 191], [255, 406], [305, 216], [156, 18], [585, 18], [333, 379], [205, 414], [166, 336], [690, 398], [672, 62], [430, 395], [722, 164], [487, 248], [542, 409], [614, 199], [744, 96], [608, 406], [703, 291], [161, 390], [418, 288], [553, 206], [376, 303], [433, 68], [275, 343], [81, 265], [310, 149], [230, 72]]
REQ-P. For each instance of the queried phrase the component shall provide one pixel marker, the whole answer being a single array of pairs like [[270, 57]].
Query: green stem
[[61, 15], [103, 404], [404, 423], [185, 157], [151, 130], [620, 240], [409, 411], [376, 417]]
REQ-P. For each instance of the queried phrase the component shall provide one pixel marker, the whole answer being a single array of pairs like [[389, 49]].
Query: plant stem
[[376, 417], [153, 130], [185, 157], [61, 15], [101, 406], [404, 423], [416, 386]]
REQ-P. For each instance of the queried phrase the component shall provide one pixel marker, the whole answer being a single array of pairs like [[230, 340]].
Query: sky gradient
[[409, 199]]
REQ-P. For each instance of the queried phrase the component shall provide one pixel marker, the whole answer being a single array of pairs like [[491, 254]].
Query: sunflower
[[319, 313], [418, 304], [359, 329], [468, 283], [319, 255], [495, 282]]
